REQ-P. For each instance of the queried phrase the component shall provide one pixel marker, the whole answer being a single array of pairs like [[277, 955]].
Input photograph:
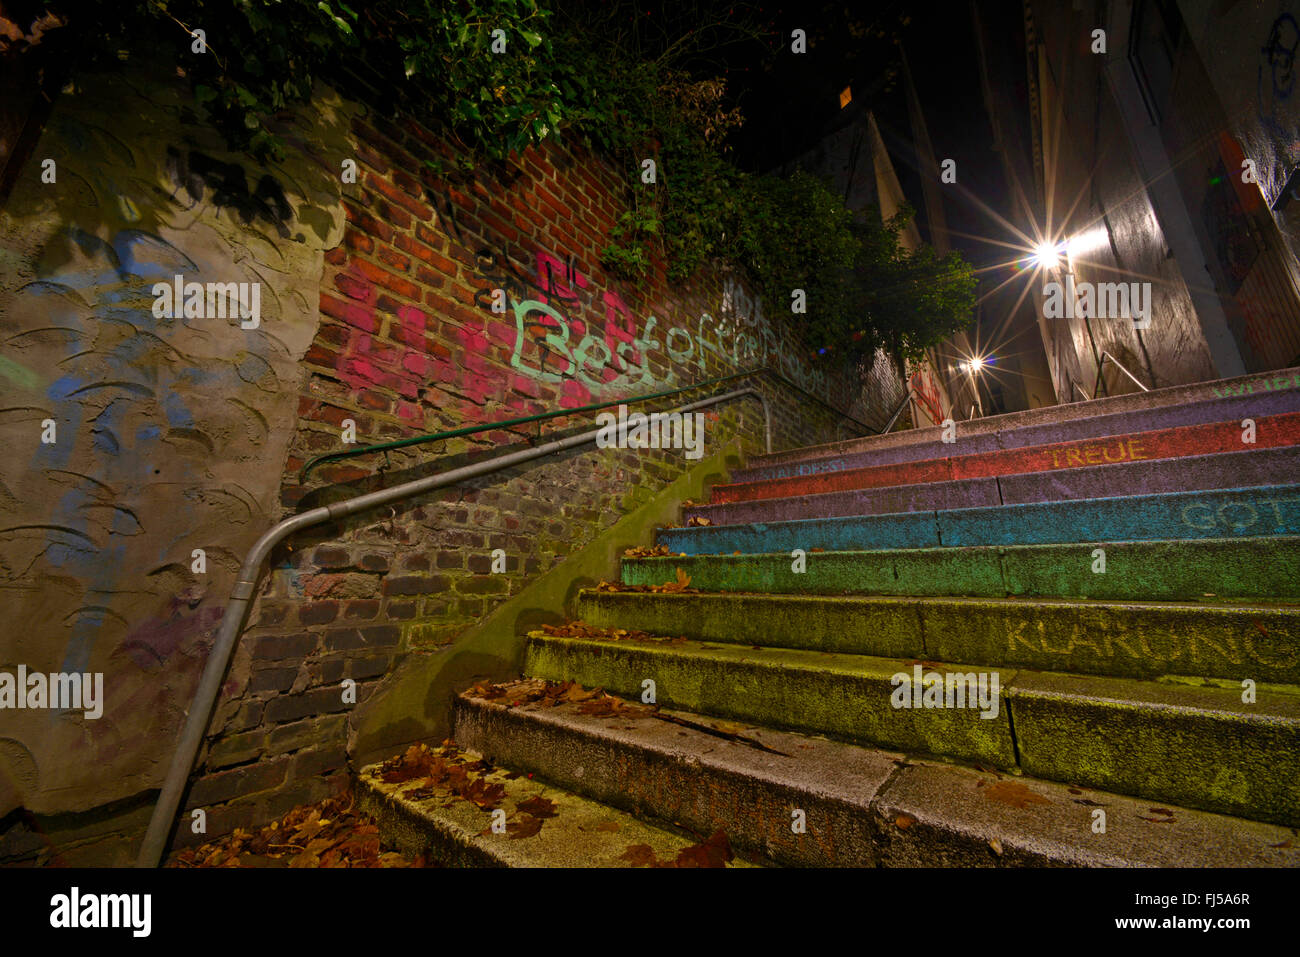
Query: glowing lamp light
[[1048, 255]]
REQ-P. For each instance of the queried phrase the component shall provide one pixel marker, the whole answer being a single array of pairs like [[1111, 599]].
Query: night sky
[[791, 101]]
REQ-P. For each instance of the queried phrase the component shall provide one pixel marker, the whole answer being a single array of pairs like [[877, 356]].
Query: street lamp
[[973, 366], [1048, 255]]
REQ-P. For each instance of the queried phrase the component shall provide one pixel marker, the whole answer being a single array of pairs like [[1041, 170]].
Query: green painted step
[[582, 833], [846, 696], [1250, 568], [1196, 746], [748, 780], [1130, 639]]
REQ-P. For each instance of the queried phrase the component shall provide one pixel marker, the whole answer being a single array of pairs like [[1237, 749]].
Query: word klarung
[[212, 300]]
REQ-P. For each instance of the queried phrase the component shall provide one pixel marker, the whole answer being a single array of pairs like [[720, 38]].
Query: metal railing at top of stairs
[[241, 596], [1101, 367], [506, 424]]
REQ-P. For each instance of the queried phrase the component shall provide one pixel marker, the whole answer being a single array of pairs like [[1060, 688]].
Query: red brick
[[336, 256], [318, 356], [423, 135], [352, 287], [392, 193], [358, 241], [394, 215], [429, 277], [407, 183], [382, 277], [359, 316], [371, 157], [394, 260], [500, 226], [363, 220], [373, 401], [460, 199], [427, 236], [332, 333]]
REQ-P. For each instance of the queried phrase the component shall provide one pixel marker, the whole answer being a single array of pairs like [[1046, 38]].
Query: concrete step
[[1255, 512], [861, 807], [1274, 431], [1223, 470], [1124, 639], [1263, 569], [1067, 416], [417, 818], [972, 437], [1193, 744]]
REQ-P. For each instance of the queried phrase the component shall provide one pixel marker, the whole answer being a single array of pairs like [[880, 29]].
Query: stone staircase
[[1127, 570]]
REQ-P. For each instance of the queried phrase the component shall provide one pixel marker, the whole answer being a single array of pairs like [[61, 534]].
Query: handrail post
[[1105, 355]]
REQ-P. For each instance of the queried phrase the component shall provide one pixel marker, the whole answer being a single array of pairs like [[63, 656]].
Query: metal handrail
[[524, 419], [907, 396], [1101, 367], [241, 595]]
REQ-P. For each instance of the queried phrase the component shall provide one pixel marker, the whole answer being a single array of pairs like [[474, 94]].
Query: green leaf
[[533, 39]]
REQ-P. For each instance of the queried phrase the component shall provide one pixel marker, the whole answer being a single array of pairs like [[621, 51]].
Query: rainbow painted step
[[1252, 395], [1160, 570], [1120, 639], [1257, 512], [1269, 432], [1224, 470], [975, 436]]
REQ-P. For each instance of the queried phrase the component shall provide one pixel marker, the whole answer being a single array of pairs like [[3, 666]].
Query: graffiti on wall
[[927, 393], [568, 331], [1276, 80]]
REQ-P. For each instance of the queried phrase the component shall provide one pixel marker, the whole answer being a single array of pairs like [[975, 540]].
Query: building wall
[[173, 435], [1224, 294], [1245, 65], [1095, 193]]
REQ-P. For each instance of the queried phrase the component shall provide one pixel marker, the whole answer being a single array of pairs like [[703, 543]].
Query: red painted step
[[1270, 432]]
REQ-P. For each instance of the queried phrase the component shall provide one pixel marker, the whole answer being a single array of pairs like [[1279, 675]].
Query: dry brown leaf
[[538, 807], [639, 855], [524, 826], [1013, 793], [715, 852]]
